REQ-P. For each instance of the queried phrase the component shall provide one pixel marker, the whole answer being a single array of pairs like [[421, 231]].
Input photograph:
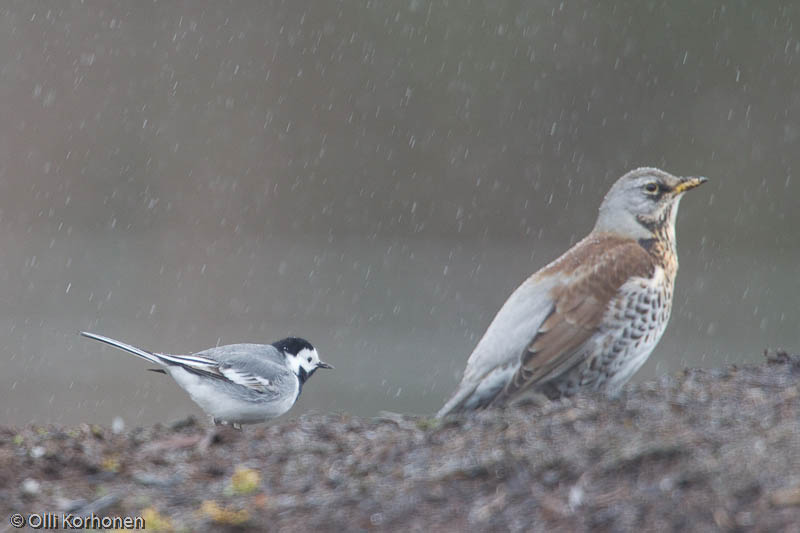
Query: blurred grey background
[[375, 176]]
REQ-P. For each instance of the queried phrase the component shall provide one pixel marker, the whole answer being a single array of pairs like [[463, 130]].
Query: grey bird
[[591, 318], [238, 383]]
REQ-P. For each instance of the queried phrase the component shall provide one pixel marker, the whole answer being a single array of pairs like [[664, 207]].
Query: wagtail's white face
[[301, 357]]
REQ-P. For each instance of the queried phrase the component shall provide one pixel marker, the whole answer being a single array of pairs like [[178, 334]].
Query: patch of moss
[[220, 515], [155, 521], [245, 480]]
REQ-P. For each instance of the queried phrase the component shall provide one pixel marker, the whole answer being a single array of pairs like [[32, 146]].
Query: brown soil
[[700, 451]]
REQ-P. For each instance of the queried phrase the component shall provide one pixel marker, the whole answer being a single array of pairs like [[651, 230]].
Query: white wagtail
[[238, 383]]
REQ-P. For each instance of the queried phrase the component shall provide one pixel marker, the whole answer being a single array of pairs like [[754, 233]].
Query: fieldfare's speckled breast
[[591, 318]]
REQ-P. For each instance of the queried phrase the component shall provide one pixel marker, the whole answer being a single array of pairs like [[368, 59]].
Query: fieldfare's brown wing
[[597, 267]]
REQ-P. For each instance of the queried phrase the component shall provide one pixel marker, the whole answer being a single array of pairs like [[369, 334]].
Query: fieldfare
[[589, 319]]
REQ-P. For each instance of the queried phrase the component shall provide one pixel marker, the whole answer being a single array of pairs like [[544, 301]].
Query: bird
[[238, 383], [589, 319]]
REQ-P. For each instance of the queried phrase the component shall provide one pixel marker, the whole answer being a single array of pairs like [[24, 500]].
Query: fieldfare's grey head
[[643, 201], [589, 319]]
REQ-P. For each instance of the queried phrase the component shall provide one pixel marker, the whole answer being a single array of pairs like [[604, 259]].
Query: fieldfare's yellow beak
[[689, 183]]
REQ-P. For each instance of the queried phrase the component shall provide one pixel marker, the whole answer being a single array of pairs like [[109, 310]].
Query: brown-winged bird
[[591, 318]]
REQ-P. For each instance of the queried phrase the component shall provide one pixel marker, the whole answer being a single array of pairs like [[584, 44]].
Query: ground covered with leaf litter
[[702, 450]]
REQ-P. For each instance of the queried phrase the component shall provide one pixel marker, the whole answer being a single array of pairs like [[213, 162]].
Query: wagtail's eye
[[651, 187], [309, 359]]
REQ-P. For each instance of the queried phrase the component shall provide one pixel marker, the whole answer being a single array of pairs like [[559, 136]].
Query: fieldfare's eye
[[651, 187]]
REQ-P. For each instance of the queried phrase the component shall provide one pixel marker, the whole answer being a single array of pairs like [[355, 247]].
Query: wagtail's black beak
[[324, 365]]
